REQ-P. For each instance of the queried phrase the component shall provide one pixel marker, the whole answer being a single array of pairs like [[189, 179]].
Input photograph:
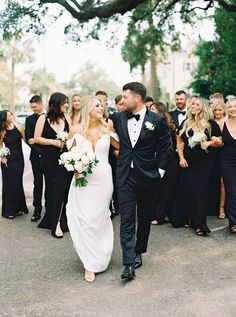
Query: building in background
[[176, 73]]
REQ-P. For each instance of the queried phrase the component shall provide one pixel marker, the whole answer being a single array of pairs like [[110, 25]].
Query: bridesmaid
[[56, 177], [13, 197], [216, 186], [75, 109], [190, 205], [165, 194], [228, 163]]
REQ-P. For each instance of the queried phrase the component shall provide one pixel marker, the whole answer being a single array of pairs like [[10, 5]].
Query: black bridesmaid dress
[[192, 189], [165, 192], [228, 168], [57, 182], [13, 197]]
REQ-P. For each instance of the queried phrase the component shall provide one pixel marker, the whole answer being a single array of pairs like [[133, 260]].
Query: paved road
[[182, 276]]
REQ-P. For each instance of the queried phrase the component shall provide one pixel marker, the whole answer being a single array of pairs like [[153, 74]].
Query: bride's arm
[[113, 136], [71, 142]]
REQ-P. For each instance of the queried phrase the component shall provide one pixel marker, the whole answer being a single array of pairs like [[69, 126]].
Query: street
[[182, 275]]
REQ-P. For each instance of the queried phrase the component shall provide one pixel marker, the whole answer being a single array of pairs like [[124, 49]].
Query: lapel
[[148, 117], [124, 124]]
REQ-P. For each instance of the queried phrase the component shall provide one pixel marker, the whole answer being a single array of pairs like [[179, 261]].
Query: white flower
[[149, 126], [62, 136], [196, 139], [4, 151]]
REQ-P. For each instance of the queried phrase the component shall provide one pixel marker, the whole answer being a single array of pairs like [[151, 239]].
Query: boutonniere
[[149, 126]]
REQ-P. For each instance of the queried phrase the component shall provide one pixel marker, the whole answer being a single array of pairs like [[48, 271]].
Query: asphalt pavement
[[182, 275]]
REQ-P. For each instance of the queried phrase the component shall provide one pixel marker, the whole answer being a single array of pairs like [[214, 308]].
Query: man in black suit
[[35, 155], [180, 113], [139, 171]]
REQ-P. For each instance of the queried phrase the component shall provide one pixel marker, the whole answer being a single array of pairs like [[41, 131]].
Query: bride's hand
[[77, 175]]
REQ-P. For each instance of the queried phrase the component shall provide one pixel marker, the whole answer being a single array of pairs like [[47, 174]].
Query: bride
[[88, 211]]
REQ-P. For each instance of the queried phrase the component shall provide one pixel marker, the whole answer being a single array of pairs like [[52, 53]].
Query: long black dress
[[228, 167], [56, 182], [13, 197], [192, 189], [165, 192]]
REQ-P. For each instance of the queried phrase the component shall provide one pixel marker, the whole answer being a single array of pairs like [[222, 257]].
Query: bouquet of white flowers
[[4, 152], [62, 136], [197, 139], [81, 161]]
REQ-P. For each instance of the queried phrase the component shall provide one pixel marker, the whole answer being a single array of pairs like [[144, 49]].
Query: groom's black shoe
[[36, 216], [137, 261], [128, 272]]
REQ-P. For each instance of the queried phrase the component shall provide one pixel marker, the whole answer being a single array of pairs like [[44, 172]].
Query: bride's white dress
[[88, 211]]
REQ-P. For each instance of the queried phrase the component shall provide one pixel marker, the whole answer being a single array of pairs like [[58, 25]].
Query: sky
[[64, 58]]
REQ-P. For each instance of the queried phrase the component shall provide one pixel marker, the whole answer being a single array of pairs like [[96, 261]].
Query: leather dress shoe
[[137, 261], [128, 272], [35, 217]]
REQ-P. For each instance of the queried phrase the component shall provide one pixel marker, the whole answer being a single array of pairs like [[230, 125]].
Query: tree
[[147, 41], [217, 66], [43, 83], [29, 14], [13, 53], [92, 79]]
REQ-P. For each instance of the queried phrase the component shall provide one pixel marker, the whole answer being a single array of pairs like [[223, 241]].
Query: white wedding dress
[[88, 211]]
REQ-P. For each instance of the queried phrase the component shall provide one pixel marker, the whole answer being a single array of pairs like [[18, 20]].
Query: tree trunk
[[12, 93], [154, 81]]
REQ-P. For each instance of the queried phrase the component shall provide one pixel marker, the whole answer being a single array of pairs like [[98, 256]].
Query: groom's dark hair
[[137, 88]]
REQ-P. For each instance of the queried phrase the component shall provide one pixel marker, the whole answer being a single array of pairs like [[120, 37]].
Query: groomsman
[[180, 113], [35, 155]]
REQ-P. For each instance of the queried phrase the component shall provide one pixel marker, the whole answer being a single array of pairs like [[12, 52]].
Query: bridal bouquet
[[4, 152], [62, 136], [81, 161], [197, 139]]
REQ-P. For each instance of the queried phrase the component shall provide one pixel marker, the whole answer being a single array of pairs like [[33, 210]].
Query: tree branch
[[227, 6], [88, 12]]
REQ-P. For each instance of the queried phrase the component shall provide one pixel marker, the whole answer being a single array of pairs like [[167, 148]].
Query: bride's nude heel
[[89, 276]]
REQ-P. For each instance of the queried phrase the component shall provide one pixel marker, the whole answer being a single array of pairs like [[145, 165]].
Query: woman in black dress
[[47, 131], [166, 191], [13, 197], [228, 164], [195, 160]]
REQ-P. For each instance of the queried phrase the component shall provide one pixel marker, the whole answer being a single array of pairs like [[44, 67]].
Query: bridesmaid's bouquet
[[197, 139], [62, 136], [4, 152], [81, 161]]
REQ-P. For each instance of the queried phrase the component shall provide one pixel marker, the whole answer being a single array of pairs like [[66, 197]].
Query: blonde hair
[[72, 110], [228, 103], [200, 122], [219, 103], [86, 107], [217, 95]]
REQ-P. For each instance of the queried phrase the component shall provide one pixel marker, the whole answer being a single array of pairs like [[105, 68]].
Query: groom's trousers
[[135, 200]]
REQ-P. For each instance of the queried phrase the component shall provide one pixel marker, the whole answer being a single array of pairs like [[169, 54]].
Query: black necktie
[[131, 115], [181, 112]]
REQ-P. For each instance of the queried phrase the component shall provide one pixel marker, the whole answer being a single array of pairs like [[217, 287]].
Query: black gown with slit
[[228, 168], [13, 197], [191, 198], [57, 182]]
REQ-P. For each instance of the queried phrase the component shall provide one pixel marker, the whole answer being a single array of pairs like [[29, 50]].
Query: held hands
[[58, 143], [204, 145], [3, 160], [183, 163], [76, 175], [31, 141]]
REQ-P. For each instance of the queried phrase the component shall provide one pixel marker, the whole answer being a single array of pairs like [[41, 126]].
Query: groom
[[142, 135]]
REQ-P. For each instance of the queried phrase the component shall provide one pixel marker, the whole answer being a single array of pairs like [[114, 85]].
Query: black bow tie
[[131, 115], [181, 112]]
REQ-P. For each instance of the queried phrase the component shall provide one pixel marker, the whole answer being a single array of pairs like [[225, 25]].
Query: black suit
[[136, 186], [175, 115], [35, 155]]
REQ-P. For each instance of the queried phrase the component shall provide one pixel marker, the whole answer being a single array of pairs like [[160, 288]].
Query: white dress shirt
[[134, 129], [182, 117]]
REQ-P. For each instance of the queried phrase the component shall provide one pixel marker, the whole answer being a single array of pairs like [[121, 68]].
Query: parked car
[[21, 116]]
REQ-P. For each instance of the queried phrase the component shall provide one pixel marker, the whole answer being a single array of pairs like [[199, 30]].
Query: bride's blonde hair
[[86, 104], [198, 122]]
